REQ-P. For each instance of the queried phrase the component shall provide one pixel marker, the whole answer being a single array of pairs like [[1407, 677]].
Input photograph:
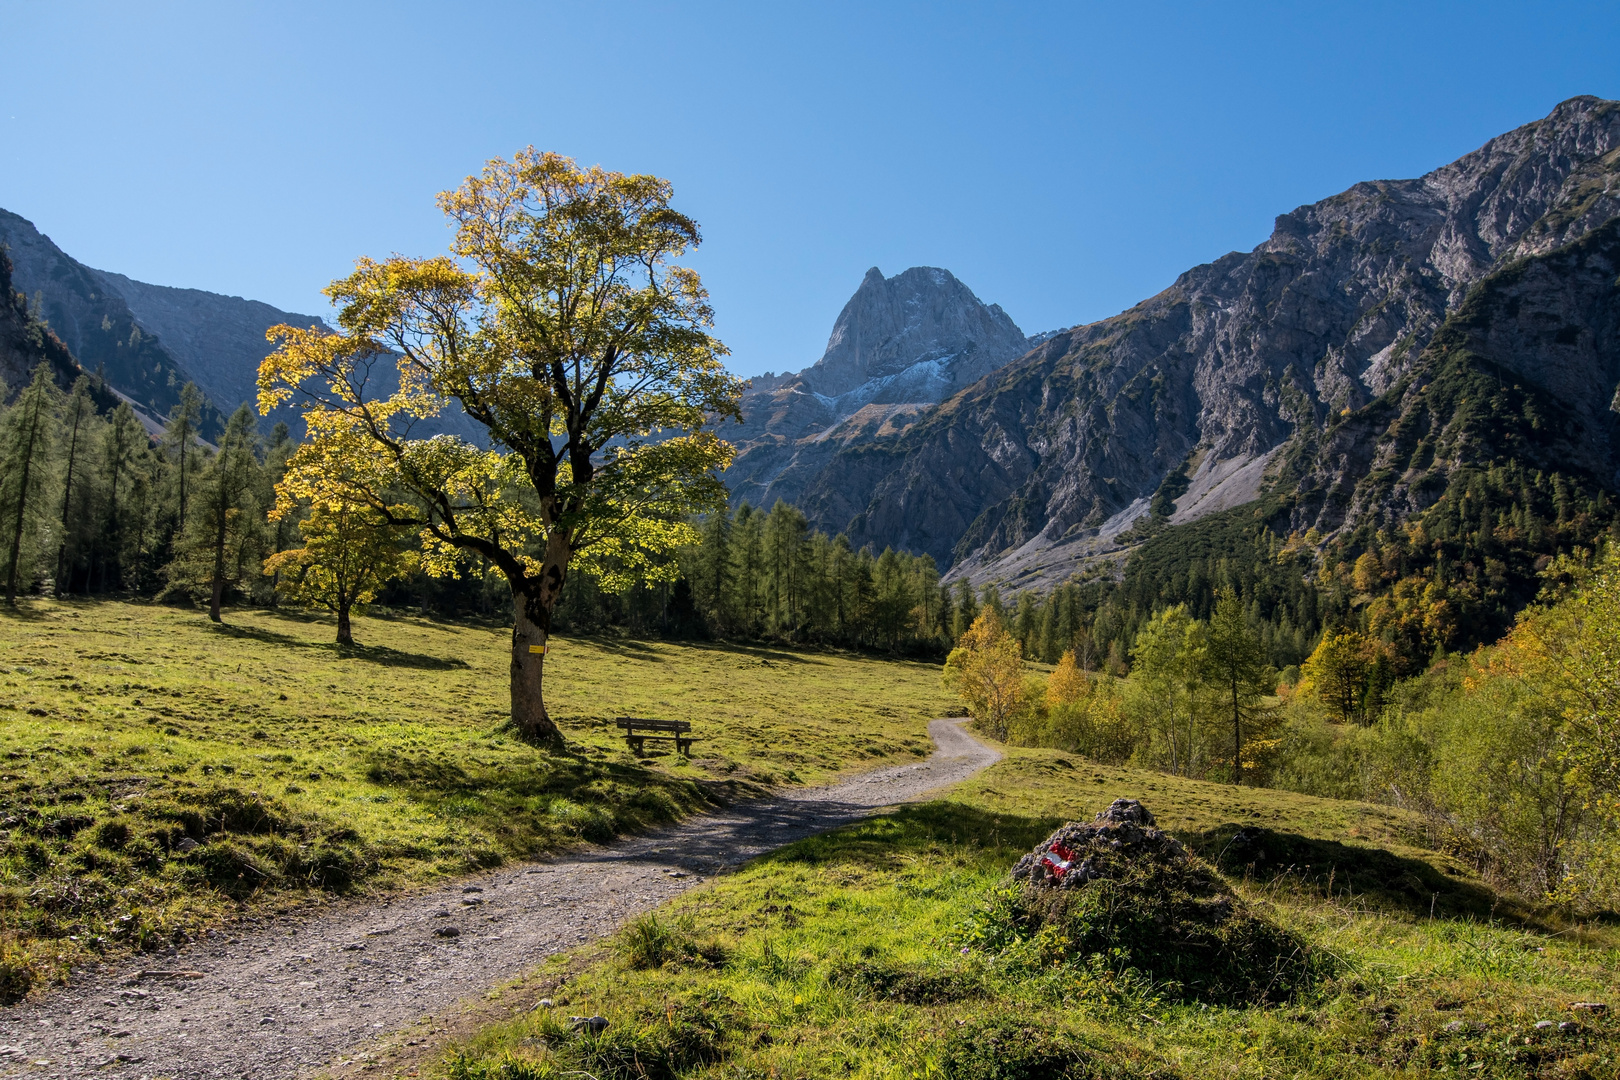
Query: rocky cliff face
[[1285, 365], [900, 345]]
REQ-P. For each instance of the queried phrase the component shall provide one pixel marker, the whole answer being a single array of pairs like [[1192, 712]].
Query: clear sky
[[1065, 160]]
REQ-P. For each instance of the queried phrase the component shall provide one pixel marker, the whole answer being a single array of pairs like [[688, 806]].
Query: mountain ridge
[[1053, 459]]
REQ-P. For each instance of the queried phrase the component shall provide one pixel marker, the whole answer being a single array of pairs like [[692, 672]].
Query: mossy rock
[[1121, 887]]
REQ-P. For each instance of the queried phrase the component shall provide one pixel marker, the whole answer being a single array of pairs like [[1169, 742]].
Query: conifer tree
[[78, 420], [221, 544], [25, 448], [179, 439], [123, 443], [1234, 664]]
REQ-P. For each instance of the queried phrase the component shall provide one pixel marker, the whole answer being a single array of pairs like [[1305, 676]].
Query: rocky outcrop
[[1052, 458], [900, 345]]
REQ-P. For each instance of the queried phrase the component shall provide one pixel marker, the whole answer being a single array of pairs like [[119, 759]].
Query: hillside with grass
[[159, 774], [887, 950]]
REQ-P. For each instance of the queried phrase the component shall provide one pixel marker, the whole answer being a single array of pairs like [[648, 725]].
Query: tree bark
[[345, 634], [531, 631]]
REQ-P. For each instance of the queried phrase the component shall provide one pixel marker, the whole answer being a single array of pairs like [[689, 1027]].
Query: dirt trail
[[295, 995]]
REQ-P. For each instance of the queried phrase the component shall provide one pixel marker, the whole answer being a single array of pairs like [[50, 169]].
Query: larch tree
[[26, 441], [1235, 664], [78, 422], [124, 441], [180, 438], [1166, 660], [221, 544], [1336, 672], [562, 324]]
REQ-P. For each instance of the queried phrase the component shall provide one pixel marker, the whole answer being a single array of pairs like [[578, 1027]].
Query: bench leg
[[683, 747], [636, 744]]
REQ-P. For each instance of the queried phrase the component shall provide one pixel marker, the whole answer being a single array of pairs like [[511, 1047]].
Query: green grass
[[860, 954], [131, 732]]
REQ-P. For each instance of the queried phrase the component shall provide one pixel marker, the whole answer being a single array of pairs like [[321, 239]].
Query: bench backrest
[[637, 723]]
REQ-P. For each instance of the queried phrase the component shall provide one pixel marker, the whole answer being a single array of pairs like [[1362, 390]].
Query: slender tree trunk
[[345, 633], [67, 495], [217, 593], [182, 524], [22, 503], [1237, 737]]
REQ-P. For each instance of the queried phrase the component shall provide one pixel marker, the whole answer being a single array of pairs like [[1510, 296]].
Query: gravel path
[[296, 994]]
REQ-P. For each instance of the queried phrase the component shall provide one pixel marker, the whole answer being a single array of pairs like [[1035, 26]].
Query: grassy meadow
[[861, 954], [159, 773]]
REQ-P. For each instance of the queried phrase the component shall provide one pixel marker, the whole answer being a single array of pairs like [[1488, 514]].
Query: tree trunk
[[217, 593], [531, 630], [67, 497], [22, 505], [1237, 737], [345, 634]]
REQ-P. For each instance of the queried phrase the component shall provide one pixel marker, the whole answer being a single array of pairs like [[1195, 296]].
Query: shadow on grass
[[1345, 873], [648, 650], [593, 798], [376, 654], [902, 836], [21, 613]]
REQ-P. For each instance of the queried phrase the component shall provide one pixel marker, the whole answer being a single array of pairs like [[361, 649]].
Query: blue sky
[[1065, 160]]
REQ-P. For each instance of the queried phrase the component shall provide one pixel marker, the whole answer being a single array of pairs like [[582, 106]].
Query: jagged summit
[[922, 332], [900, 345]]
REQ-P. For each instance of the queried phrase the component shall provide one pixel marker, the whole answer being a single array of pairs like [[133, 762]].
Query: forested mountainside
[[900, 345], [25, 342], [1341, 368], [147, 341]]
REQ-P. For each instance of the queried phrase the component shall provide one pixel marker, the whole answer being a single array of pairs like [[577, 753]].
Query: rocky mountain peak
[[922, 331], [899, 346]]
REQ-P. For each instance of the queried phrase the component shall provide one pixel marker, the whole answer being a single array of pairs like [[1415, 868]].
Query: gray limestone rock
[[1254, 361]]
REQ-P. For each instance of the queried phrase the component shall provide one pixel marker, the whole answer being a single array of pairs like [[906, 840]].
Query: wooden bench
[[637, 730]]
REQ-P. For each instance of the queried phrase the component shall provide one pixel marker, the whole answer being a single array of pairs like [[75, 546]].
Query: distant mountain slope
[[150, 340], [25, 342], [900, 345], [96, 323], [1259, 369]]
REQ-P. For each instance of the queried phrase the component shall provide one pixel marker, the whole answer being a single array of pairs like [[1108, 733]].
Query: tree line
[[92, 502], [1510, 753]]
